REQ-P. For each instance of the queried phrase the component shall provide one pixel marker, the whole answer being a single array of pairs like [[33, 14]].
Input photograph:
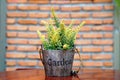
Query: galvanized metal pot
[[57, 62]]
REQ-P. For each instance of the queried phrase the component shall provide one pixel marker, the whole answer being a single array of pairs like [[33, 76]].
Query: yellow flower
[[65, 46]]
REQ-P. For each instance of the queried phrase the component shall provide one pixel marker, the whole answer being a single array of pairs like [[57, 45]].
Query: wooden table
[[37, 74]]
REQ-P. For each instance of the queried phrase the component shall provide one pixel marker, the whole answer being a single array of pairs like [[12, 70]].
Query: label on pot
[[62, 62]]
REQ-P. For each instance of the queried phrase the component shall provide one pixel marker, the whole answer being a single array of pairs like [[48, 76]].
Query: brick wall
[[95, 40]]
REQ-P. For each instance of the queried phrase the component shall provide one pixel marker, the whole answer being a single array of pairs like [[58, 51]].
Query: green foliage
[[59, 36], [117, 3], [57, 22]]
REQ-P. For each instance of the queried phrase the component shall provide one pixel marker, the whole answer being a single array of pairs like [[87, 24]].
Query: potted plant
[[58, 47]]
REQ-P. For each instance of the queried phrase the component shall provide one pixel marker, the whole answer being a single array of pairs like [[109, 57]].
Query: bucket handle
[[72, 72], [40, 53], [81, 63]]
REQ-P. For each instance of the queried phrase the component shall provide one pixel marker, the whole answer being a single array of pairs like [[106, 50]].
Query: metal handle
[[41, 54], [74, 73], [80, 58]]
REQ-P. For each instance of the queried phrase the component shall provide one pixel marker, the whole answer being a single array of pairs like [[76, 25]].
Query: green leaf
[[57, 22], [117, 3]]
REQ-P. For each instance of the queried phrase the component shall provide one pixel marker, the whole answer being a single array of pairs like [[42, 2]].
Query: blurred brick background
[[95, 40]]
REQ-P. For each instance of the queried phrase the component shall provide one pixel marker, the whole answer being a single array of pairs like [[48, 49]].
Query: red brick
[[17, 14], [69, 21], [85, 28], [27, 63], [93, 21], [102, 14], [92, 70], [27, 35], [108, 48], [17, 41], [108, 7], [49, 21], [80, 15], [11, 47], [108, 21], [82, 42], [70, 8], [38, 15], [48, 8], [10, 62], [108, 35], [78, 36], [83, 56], [22, 28], [10, 21], [103, 28], [102, 42], [93, 8], [80, 1], [11, 7], [34, 42], [16, 1], [65, 8], [45, 8], [92, 49], [75, 8], [101, 56], [97, 28], [108, 28], [11, 34], [39, 1], [63, 15], [102, 1], [97, 64], [60, 2], [108, 64], [35, 28], [76, 63], [33, 56], [15, 55], [26, 48], [30, 7], [40, 63], [10, 68], [92, 35], [23, 21]]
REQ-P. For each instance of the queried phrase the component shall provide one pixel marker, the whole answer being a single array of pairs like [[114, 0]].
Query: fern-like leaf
[[57, 22]]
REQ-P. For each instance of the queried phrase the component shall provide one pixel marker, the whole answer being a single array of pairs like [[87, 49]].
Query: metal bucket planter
[[57, 62]]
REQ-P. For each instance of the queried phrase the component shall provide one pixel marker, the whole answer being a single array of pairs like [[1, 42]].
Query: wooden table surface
[[37, 74]]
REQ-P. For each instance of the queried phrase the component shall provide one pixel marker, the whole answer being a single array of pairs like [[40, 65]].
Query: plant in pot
[[58, 47]]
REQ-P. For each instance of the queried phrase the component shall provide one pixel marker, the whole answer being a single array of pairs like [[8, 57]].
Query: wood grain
[[38, 74]]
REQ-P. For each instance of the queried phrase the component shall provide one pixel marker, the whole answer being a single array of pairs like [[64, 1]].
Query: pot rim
[[59, 50]]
